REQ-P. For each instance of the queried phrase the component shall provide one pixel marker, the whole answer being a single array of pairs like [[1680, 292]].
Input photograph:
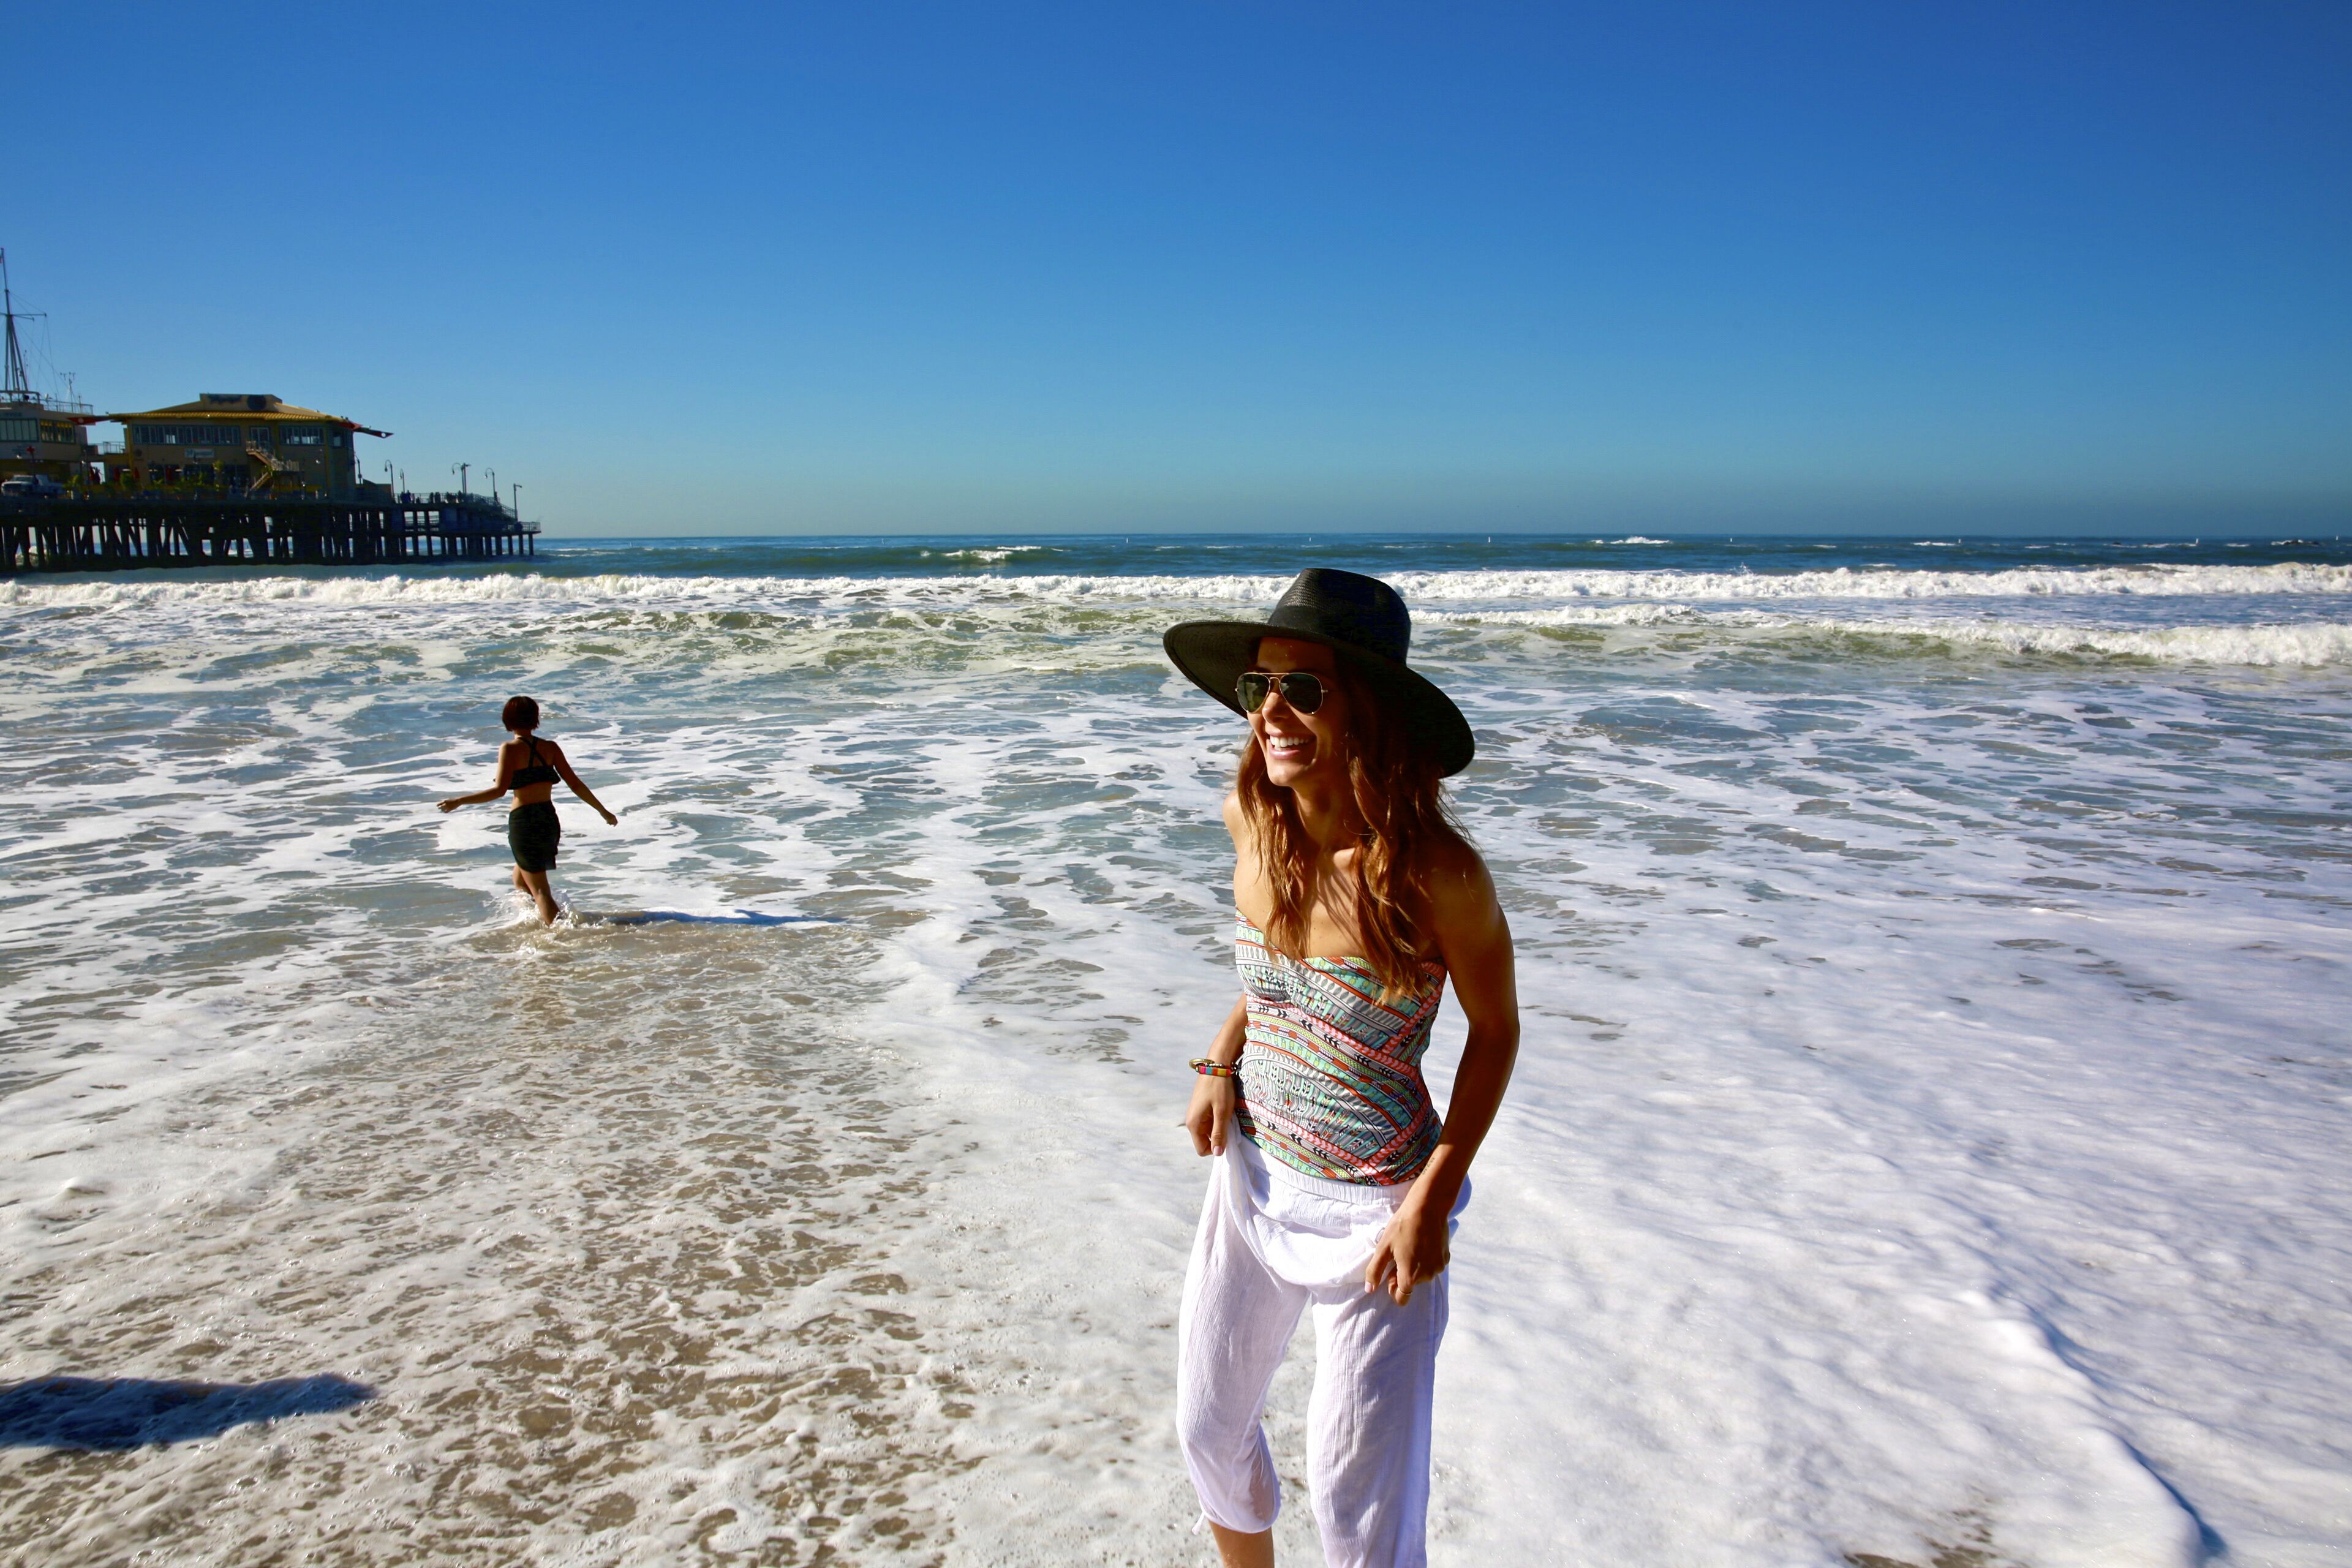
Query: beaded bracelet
[[1208, 1068]]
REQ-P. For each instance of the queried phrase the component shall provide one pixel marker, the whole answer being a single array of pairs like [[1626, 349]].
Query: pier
[[106, 533], [231, 479]]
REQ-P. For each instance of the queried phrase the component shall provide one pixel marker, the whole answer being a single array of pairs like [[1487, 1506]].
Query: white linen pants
[[1271, 1243]]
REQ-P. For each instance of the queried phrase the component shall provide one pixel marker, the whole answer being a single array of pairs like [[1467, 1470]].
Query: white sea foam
[[2270, 616], [989, 554], [1531, 587]]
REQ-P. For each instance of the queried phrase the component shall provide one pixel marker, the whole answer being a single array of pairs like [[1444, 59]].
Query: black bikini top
[[538, 773]]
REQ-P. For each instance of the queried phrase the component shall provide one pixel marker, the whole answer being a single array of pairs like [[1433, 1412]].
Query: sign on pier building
[[241, 443]]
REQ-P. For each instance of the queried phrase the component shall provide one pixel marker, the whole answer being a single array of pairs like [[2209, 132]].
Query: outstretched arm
[[497, 788], [1475, 941], [564, 771]]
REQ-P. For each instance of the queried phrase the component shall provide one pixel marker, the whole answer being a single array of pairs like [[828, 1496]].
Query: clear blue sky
[[878, 267]]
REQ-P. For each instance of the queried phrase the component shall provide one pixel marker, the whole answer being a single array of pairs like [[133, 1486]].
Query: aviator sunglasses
[[1301, 688]]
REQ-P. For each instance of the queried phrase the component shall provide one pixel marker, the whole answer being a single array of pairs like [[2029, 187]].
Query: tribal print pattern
[[1331, 1079]]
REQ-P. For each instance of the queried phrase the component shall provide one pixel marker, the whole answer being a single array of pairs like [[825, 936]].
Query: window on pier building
[[303, 435], [18, 430]]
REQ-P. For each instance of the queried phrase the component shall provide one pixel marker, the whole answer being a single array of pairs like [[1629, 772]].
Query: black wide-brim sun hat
[[1361, 619]]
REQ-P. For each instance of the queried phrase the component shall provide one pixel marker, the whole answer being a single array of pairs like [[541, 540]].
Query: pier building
[[242, 443], [47, 437], [43, 437]]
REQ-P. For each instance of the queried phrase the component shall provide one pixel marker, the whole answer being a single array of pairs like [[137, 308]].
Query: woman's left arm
[[1475, 941], [564, 770]]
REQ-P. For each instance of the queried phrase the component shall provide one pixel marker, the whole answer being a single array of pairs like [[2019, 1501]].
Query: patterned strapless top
[[1331, 1079]]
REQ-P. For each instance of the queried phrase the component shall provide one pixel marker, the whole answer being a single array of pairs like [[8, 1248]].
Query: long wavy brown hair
[[1402, 799]]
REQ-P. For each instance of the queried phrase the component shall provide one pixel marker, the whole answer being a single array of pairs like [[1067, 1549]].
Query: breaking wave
[[1536, 587], [2305, 644]]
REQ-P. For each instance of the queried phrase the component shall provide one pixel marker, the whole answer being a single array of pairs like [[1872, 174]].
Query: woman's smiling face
[[1299, 746]]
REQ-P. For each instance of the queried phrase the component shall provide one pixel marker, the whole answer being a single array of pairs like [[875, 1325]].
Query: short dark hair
[[520, 714]]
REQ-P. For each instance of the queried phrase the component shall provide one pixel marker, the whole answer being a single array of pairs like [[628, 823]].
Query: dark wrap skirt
[[533, 832]]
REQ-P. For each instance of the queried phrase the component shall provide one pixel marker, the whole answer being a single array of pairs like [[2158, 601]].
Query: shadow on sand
[[130, 1411], [681, 917]]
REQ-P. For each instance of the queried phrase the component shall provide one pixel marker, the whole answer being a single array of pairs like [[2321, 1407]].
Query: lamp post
[[461, 470]]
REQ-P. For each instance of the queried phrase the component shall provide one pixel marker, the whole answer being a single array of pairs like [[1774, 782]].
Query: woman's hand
[[1413, 1250], [610, 820], [451, 805], [1211, 1115]]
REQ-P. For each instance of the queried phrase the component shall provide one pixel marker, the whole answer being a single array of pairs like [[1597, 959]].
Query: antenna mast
[[19, 388]]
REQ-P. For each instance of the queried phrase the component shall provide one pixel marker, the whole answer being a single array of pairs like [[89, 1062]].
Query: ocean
[[1927, 1145]]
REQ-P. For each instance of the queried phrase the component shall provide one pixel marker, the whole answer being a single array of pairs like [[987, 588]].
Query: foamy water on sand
[[1927, 1138]]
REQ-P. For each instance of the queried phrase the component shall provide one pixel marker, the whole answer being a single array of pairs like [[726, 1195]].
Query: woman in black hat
[[1357, 897]]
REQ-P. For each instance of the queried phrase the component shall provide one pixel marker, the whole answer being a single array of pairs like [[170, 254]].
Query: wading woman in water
[[530, 766], [1337, 1183]]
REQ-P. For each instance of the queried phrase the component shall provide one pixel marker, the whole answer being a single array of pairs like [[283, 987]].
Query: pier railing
[[99, 533]]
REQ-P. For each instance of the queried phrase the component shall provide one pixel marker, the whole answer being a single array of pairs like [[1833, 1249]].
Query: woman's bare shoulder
[[1456, 880], [1237, 821]]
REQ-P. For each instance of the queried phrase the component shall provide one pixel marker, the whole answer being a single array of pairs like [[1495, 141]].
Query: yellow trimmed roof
[[243, 409]]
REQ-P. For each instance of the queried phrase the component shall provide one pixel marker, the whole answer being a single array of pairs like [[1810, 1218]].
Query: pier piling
[[101, 534]]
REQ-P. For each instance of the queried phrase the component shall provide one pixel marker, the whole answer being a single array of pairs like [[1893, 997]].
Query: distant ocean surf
[[1928, 1135]]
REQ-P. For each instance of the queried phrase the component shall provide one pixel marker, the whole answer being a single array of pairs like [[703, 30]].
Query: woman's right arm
[[1212, 1110], [1213, 1096]]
